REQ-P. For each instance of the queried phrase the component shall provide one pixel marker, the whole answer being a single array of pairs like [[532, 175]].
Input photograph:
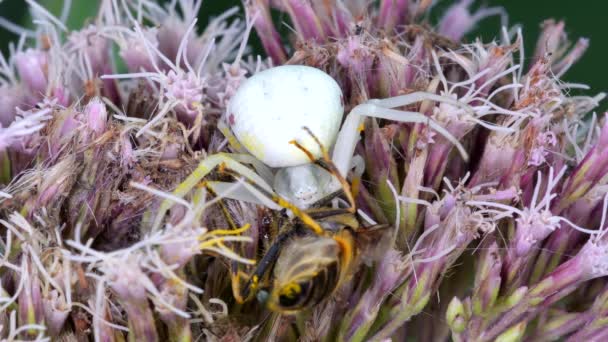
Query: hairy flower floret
[[541, 149], [354, 55], [91, 47], [135, 52], [23, 127], [187, 90], [31, 66], [110, 231], [533, 226], [595, 259]]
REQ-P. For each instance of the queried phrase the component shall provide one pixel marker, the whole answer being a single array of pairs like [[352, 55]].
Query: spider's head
[[305, 185]]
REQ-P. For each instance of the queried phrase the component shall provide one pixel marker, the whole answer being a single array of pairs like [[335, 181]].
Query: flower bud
[[456, 315], [393, 14], [271, 40], [96, 116], [487, 279], [11, 97], [31, 306], [513, 334], [56, 312], [134, 52], [458, 20], [187, 89], [305, 19], [32, 66], [516, 297]]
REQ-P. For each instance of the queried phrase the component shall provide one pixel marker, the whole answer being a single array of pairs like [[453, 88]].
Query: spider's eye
[[294, 294]]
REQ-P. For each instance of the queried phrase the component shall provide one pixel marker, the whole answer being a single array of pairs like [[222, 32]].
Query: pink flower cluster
[[500, 236]]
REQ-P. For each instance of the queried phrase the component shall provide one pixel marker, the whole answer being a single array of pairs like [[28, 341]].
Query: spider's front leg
[[349, 133], [255, 184], [204, 168]]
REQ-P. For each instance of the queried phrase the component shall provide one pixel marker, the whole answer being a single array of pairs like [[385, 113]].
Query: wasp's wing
[[374, 241]]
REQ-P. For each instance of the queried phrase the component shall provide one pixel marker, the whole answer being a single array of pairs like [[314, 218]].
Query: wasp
[[312, 255], [300, 269]]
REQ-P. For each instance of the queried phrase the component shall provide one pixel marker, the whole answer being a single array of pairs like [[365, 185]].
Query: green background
[[585, 18]]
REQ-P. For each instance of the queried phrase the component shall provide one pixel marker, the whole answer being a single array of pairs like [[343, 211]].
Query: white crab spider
[[269, 111]]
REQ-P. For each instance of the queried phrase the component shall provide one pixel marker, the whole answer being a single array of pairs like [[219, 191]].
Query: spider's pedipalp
[[242, 192]]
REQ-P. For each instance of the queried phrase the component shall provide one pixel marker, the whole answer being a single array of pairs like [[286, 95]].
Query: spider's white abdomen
[[270, 108]]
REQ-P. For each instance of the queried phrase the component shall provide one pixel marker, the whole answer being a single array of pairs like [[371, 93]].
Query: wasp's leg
[[238, 276], [265, 195], [245, 287], [326, 163], [240, 281], [219, 201], [204, 168]]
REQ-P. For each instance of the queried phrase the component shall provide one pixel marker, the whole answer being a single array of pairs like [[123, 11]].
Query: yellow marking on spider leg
[[232, 140], [252, 144], [205, 184], [198, 174], [222, 167], [193, 179], [203, 169]]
